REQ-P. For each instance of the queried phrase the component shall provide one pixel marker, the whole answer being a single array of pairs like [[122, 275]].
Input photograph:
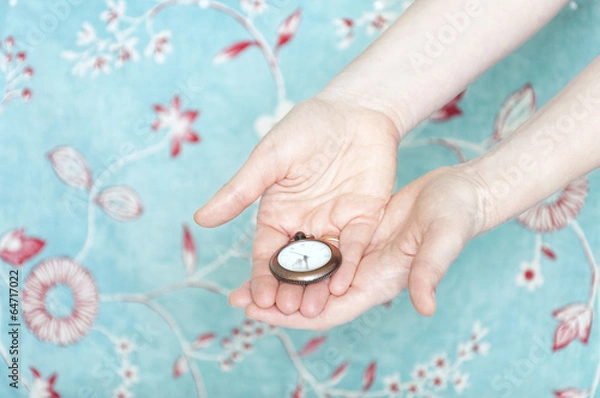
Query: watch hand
[[306, 260], [296, 253]]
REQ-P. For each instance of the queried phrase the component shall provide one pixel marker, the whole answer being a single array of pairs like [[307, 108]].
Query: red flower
[[41, 387], [26, 94], [448, 111], [16, 248], [178, 122]]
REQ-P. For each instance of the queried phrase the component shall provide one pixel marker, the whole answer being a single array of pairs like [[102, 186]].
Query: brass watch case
[[308, 277]]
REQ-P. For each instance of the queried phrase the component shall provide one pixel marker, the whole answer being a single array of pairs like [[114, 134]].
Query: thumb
[[248, 184], [441, 245]]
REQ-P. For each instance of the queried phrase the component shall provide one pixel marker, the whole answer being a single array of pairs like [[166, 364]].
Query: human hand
[[327, 168], [425, 227]]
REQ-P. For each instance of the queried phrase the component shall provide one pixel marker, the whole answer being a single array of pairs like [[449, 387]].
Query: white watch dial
[[304, 255]]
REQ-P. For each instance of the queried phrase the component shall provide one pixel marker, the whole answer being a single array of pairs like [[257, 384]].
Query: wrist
[[487, 214], [333, 92]]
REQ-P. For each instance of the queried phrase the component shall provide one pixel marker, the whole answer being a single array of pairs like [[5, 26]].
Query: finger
[[338, 309], [440, 247], [256, 175], [325, 320], [354, 240], [241, 297], [289, 297], [314, 298], [263, 285]]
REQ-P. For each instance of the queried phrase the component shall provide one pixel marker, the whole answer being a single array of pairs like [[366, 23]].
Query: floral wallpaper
[[119, 118]]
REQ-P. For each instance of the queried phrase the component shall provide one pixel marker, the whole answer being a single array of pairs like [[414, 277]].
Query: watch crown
[[299, 235]]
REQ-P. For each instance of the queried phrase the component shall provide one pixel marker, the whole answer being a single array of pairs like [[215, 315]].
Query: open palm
[[425, 227], [327, 168]]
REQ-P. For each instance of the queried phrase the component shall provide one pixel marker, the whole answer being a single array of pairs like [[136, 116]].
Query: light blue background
[[102, 116]]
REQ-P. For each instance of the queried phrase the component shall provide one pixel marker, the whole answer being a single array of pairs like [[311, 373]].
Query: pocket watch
[[305, 259]]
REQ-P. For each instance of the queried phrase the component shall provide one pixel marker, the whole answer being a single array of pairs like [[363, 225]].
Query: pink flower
[[16, 248], [557, 211], [21, 56], [42, 388], [159, 46], [178, 122], [530, 276], [253, 7], [116, 11], [45, 276]]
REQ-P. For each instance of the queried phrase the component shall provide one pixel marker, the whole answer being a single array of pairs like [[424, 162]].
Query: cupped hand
[[327, 168], [425, 227]]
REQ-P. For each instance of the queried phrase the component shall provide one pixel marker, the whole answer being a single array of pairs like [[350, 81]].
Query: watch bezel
[[308, 277]]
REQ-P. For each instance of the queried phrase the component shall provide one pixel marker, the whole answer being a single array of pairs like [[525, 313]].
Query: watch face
[[304, 256]]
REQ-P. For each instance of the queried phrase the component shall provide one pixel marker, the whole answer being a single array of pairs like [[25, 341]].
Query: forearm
[[558, 144], [434, 50]]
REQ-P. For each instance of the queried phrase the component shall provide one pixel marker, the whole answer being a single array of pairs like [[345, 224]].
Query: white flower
[[377, 21], [125, 51], [438, 381], [345, 29], [414, 390], [253, 7], [530, 276], [124, 346], [479, 331], [86, 35], [465, 351], [100, 63], [159, 46], [122, 392], [460, 381], [265, 123], [392, 384], [116, 11], [419, 372], [440, 361], [129, 373], [482, 348]]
